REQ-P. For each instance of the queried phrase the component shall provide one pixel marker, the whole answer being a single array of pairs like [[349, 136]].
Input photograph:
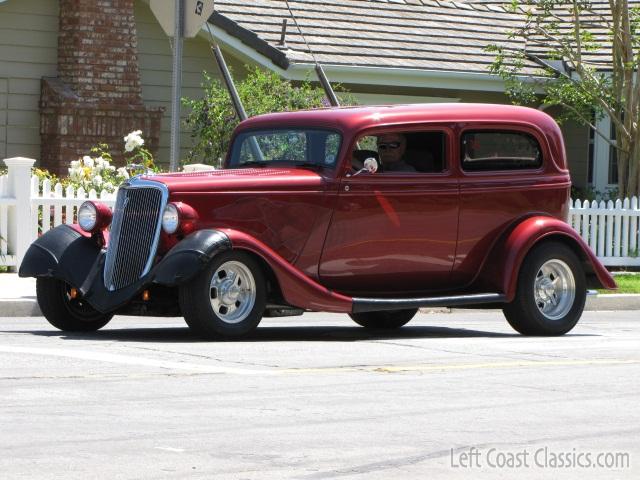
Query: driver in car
[[391, 148]]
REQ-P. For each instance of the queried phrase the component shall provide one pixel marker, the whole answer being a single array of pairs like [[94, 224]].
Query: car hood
[[241, 179]]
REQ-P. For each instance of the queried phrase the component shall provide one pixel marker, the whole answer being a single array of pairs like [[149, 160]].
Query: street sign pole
[[176, 85], [182, 19]]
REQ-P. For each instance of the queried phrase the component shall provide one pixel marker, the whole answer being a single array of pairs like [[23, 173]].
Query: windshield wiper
[[253, 163], [278, 163], [305, 164]]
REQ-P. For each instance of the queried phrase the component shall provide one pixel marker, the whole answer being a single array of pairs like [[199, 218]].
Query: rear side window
[[496, 150]]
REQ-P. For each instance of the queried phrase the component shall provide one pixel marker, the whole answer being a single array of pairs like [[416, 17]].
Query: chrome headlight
[[170, 219], [87, 216]]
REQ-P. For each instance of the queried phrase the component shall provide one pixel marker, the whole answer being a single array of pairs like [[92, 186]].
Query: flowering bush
[[133, 140], [96, 172], [138, 156]]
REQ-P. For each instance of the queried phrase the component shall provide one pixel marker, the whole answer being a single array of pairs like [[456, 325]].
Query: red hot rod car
[[369, 211]]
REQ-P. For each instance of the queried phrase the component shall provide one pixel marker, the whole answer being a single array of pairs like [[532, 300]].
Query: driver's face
[[391, 147]]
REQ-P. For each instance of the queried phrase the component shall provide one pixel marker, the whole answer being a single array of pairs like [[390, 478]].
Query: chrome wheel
[[233, 292], [554, 289]]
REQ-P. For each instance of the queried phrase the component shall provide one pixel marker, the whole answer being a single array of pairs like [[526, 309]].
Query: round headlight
[[87, 216], [170, 219]]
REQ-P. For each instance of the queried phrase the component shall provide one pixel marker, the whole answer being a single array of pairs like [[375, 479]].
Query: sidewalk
[[18, 298]]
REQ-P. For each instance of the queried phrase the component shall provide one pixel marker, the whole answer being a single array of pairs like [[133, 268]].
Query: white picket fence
[[29, 208], [7, 203], [610, 228], [54, 205]]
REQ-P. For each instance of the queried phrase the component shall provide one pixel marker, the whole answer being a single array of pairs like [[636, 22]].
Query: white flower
[[88, 161], [123, 172], [101, 163], [133, 140], [97, 180], [111, 168], [75, 164], [108, 186]]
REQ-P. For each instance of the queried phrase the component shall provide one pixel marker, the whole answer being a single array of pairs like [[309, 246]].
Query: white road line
[[128, 360]]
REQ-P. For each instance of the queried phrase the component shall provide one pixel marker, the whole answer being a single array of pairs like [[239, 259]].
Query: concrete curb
[[19, 307], [595, 303], [28, 306], [613, 301]]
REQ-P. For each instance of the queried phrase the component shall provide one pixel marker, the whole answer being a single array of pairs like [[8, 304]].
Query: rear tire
[[551, 292], [64, 312], [386, 320], [227, 299]]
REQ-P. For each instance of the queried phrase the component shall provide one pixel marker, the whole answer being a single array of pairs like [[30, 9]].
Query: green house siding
[[28, 51], [155, 59]]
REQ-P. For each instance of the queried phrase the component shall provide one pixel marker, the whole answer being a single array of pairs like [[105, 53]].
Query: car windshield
[[291, 146]]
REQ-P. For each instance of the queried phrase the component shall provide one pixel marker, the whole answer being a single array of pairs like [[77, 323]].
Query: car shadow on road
[[277, 334]]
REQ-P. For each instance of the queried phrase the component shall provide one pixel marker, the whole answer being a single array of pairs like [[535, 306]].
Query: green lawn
[[626, 284]]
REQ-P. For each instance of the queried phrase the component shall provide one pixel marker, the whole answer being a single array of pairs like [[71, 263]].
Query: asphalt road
[[315, 397]]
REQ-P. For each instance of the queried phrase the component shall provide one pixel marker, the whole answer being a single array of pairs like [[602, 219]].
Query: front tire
[[387, 320], [551, 292], [227, 299], [66, 310]]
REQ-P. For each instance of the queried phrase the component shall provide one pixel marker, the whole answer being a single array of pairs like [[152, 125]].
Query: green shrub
[[212, 118]]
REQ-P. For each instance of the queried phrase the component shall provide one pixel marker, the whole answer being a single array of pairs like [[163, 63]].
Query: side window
[[403, 152], [499, 150]]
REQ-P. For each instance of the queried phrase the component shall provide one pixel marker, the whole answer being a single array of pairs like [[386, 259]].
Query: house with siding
[[74, 72]]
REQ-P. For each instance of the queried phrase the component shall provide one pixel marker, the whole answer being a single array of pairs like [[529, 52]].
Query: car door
[[393, 233]]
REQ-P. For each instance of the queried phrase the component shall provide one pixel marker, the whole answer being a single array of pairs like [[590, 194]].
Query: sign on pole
[[191, 15], [196, 12]]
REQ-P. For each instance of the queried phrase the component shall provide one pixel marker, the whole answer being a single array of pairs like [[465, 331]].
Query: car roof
[[349, 119]]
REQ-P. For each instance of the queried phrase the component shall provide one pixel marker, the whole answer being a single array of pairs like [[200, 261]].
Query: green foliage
[[627, 283], [591, 194], [560, 37], [212, 118]]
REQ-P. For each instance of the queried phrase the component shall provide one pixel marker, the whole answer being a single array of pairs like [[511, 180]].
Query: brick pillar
[[97, 97]]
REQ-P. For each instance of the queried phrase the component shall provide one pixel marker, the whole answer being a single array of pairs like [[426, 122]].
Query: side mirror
[[370, 166]]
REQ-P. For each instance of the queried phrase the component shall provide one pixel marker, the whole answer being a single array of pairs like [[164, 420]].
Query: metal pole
[[228, 81], [235, 98], [176, 83], [326, 85]]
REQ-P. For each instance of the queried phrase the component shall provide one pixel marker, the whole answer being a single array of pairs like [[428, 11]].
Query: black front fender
[[66, 254], [190, 256], [62, 253]]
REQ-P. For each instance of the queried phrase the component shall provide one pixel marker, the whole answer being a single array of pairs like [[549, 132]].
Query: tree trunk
[[633, 184], [622, 153]]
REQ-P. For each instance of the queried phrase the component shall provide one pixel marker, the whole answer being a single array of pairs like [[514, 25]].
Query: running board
[[379, 304]]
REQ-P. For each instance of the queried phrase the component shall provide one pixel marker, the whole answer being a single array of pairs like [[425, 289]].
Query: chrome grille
[[135, 232]]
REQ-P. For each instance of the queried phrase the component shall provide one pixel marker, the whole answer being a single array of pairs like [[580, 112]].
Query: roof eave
[[247, 46]]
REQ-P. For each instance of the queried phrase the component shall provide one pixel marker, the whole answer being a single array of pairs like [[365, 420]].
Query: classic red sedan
[[370, 211]]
